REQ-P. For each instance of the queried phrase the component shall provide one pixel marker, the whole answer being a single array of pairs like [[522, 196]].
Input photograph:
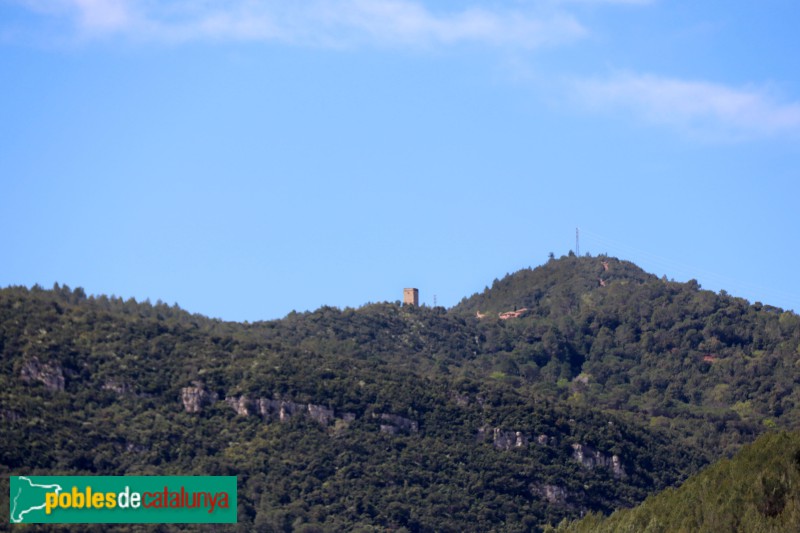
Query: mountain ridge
[[599, 396]]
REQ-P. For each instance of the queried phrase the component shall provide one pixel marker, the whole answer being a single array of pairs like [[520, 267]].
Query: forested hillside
[[601, 332], [603, 385]]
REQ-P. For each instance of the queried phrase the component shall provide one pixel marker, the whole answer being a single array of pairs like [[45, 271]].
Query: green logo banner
[[122, 499]]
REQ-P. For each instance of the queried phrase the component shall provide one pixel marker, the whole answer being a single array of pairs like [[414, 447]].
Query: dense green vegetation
[[710, 366], [598, 395], [757, 491]]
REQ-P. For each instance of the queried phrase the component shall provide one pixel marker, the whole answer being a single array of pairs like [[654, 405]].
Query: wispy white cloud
[[699, 108], [91, 15], [316, 22], [103, 14]]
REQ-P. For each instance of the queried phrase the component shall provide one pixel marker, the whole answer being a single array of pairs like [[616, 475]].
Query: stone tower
[[411, 297]]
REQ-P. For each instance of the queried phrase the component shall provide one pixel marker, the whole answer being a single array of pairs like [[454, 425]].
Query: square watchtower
[[411, 297]]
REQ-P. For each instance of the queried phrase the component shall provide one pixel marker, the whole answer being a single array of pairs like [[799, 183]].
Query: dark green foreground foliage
[[757, 491], [662, 375]]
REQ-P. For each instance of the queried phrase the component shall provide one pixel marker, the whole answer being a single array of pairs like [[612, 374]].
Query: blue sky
[[248, 158]]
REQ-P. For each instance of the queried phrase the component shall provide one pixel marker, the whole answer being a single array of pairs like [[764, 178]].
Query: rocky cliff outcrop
[[393, 424], [505, 440], [279, 410], [50, 374], [321, 414], [544, 440], [588, 457], [551, 493], [195, 398], [502, 439], [241, 404]]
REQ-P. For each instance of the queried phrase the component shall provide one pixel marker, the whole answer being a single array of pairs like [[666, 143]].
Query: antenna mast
[[577, 243]]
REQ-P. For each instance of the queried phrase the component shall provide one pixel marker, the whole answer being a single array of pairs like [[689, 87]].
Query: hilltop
[[553, 288]]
